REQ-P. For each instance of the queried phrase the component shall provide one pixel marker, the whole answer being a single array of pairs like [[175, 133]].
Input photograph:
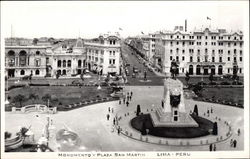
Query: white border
[[196, 154]]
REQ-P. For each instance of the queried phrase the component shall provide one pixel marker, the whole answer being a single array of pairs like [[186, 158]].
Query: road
[[129, 57]]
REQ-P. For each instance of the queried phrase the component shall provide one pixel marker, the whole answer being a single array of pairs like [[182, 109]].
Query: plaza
[[98, 134]]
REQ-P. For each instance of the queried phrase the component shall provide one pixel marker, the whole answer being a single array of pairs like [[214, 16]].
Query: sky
[[63, 19]]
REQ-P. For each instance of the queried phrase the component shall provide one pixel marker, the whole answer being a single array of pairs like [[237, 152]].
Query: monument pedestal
[[166, 119], [173, 113]]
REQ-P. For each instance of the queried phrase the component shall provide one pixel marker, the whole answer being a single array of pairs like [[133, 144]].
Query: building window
[[171, 51], [171, 37], [37, 52], [37, 72], [228, 70], [171, 58], [22, 72], [110, 53], [240, 70], [198, 59], [110, 61], [183, 51], [235, 60], [113, 53], [101, 60], [177, 43], [69, 63], [96, 59], [177, 58], [240, 52], [113, 61], [234, 44], [228, 52], [213, 59], [183, 58], [240, 58], [191, 58], [205, 43], [235, 51], [37, 62], [59, 63], [183, 37], [220, 59], [79, 63], [64, 63], [228, 58]]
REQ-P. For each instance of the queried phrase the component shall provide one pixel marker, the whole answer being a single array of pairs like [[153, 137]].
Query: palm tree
[[19, 98], [33, 97]]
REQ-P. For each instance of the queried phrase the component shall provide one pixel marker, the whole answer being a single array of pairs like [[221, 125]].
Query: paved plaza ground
[[95, 131]]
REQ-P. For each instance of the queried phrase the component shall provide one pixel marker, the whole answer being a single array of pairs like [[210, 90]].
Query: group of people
[[212, 147], [233, 143], [209, 111], [126, 99]]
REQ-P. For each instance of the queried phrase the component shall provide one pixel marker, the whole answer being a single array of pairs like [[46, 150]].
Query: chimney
[[185, 25]]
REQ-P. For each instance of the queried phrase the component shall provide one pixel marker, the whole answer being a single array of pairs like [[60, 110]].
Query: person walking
[[114, 121], [238, 132], [112, 110], [130, 98], [109, 109], [231, 142], [211, 110], [124, 100], [211, 147], [234, 143], [131, 93], [127, 103], [214, 148], [120, 102], [108, 116]]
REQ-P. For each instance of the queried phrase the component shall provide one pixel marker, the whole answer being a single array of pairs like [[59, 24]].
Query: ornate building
[[201, 52], [66, 58]]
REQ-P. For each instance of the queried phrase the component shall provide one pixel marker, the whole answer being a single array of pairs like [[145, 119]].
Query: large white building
[[65, 58], [201, 52]]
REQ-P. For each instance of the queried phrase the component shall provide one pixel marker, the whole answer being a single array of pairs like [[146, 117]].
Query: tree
[[198, 90], [57, 75], [46, 97], [138, 111], [215, 129], [211, 77], [187, 78], [19, 98], [35, 40], [196, 110], [33, 97], [81, 76]]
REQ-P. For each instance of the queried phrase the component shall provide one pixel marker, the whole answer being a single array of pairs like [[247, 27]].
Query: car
[[127, 64], [133, 75]]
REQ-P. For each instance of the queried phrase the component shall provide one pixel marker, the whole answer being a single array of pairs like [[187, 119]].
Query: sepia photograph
[[124, 79]]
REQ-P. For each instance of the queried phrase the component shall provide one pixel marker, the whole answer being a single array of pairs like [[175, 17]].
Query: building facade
[[201, 52], [65, 58], [26, 60]]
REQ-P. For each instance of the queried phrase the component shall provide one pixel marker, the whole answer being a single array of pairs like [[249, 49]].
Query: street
[[129, 56]]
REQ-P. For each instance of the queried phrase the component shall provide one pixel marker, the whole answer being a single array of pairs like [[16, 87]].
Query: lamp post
[[99, 85], [6, 94]]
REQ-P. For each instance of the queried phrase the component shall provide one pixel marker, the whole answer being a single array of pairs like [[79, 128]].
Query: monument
[[172, 113]]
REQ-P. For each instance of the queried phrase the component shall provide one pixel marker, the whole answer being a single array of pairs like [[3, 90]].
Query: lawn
[[235, 95], [60, 95]]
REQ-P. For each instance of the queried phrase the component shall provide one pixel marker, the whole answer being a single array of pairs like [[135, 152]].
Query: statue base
[[166, 119]]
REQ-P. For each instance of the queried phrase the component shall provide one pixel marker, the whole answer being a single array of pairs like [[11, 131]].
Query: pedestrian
[[108, 116], [231, 143], [131, 93], [127, 97], [127, 93], [210, 147], [211, 110], [238, 132], [109, 109], [112, 110], [120, 102], [208, 111], [130, 98], [124, 99], [214, 147], [234, 143], [127, 103], [114, 121]]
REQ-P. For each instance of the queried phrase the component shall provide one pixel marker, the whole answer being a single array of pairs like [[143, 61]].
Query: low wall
[[35, 107]]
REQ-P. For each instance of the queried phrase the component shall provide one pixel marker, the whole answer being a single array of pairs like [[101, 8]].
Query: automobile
[[127, 64], [228, 76], [136, 70], [86, 76]]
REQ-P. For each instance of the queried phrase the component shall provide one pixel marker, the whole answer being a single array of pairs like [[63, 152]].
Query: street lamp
[[99, 85], [6, 94]]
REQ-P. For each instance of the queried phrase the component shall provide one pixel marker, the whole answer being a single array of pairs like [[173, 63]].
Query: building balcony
[[207, 63]]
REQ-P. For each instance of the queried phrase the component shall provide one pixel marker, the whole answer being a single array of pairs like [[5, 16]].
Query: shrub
[[7, 135], [225, 83], [215, 129]]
